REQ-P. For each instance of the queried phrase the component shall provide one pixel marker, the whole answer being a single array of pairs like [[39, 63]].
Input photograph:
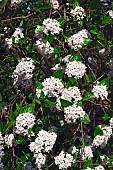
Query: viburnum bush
[[56, 81]]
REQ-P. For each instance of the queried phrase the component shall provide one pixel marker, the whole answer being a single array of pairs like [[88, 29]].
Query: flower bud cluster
[[23, 72], [17, 35], [51, 26], [64, 160], [24, 122], [76, 41], [78, 13]]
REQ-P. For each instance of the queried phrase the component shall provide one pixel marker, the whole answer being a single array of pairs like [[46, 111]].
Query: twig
[[22, 17]]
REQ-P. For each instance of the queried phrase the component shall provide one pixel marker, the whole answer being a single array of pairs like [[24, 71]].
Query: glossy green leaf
[[87, 41], [62, 21], [58, 74], [105, 82], [49, 38], [76, 4], [86, 119], [57, 50], [100, 36], [89, 96], [20, 140], [76, 57], [65, 103], [23, 40], [98, 131], [106, 117]]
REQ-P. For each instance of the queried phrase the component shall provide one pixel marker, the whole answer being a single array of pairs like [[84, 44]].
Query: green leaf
[[106, 20], [89, 96], [28, 108], [57, 50], [76, 57], [94, 31], [0, 97], [37, 10], [86, 119], [65, 103], [112, 5], [73, 81], [49, 38], [105, 82], [100, 36], [58, 74], [80, 22], [18, 107], [76, 4], [20, 140], [106, 117], [23, 40], [88, 163], [62, 21], [87, 41], [65, 37], [39, 85], [13, 117], [98, 131], [4, 2], [46, 7], [79, 104], [88, 79], [22, 23], [50, 103]]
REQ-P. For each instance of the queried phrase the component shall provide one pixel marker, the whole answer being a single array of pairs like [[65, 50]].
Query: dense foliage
[[56, 84]]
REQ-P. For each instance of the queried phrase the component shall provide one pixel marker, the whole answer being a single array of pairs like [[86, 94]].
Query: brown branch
[[22, 17]]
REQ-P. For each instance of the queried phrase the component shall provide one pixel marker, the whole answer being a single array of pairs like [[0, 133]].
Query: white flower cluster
[[38, 92], [24, 122], [98, 140], [86, 152], [110, 12], [44, 142], [38, 29], [63, 160], [75, 150], [1, 151], [78, 13], [51, 26], [76, 41], [44, 48], [72, 113], [66, 58], [102, 140], [52, 86], [111, 122], [9, 140], [100, 91], [56, 67], [14, 2], [75, 69], [23, 71], [88, 168], [100, 167], [17, 35], [71, 94], [107, 132], [54, 4], [40, 160]]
